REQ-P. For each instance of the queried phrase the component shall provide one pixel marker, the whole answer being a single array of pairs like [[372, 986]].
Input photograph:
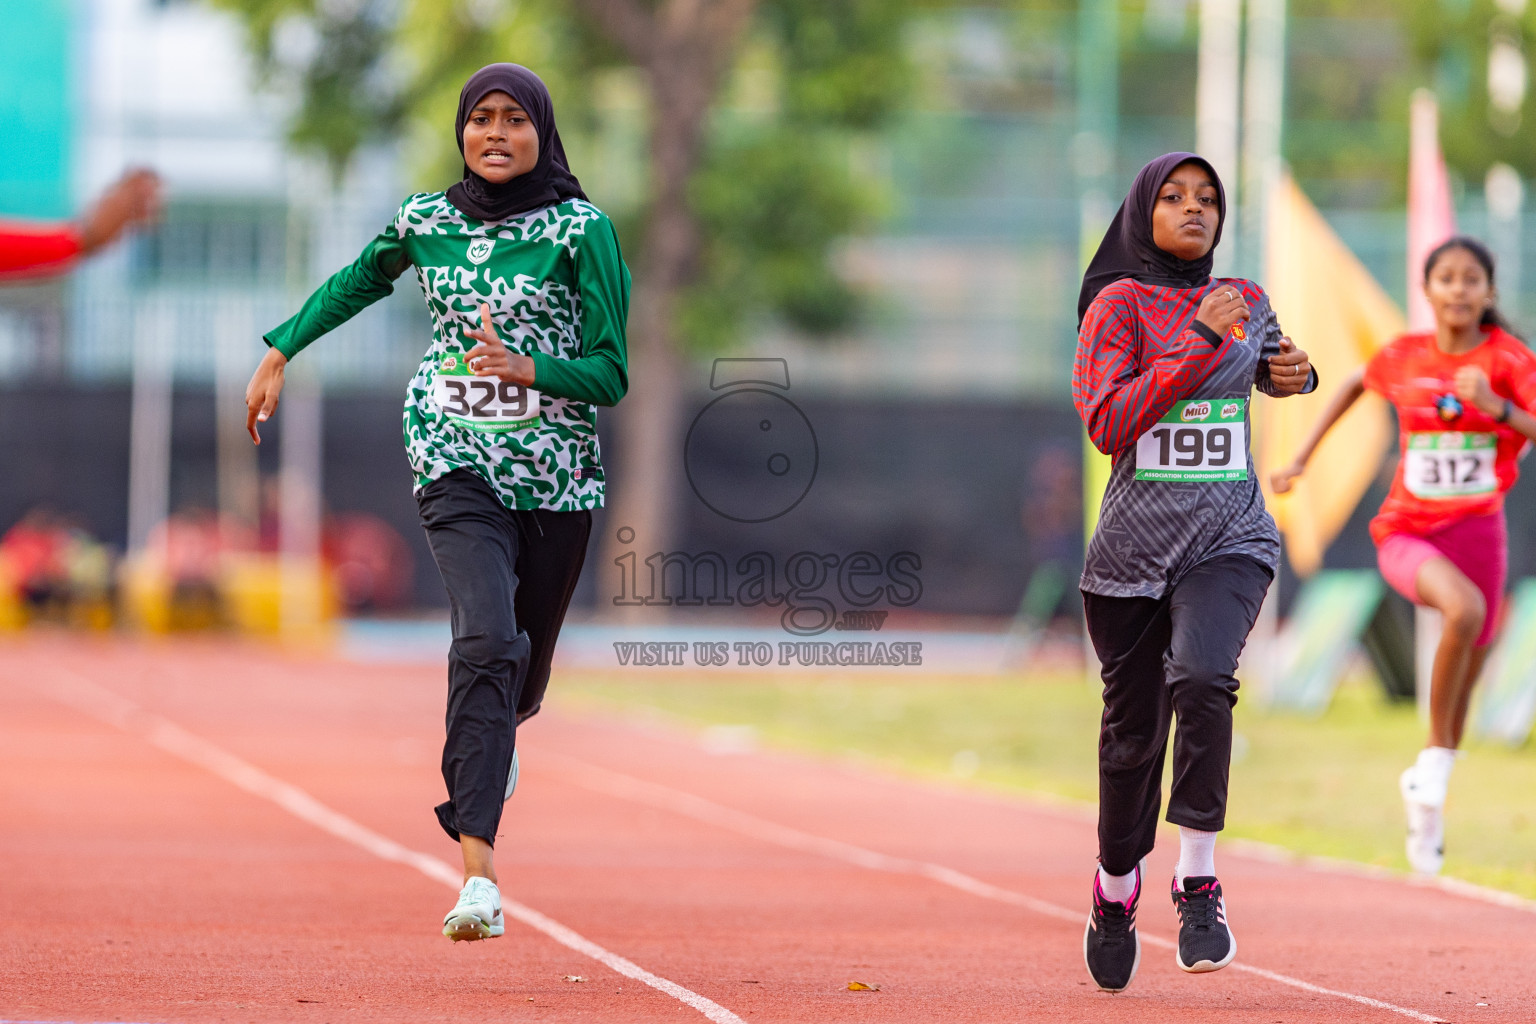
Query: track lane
[[773, 934]]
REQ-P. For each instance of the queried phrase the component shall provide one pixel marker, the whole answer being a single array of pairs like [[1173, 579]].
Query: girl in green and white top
[[529, 295]]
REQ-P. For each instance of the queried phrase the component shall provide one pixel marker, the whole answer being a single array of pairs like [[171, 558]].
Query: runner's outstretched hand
[[262, 392], [132, 200], [491, 358], [1289, 371]]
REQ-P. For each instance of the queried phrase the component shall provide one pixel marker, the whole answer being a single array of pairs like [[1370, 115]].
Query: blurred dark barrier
[[980, 492], [977, 491]]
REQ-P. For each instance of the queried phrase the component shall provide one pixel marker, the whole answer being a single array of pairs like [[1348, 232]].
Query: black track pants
[[1160, 658], [509, 576]]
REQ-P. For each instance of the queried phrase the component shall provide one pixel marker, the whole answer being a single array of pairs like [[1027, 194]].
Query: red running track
[[139, 882]]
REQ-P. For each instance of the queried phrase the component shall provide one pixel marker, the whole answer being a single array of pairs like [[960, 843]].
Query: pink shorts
[[1477, 545]]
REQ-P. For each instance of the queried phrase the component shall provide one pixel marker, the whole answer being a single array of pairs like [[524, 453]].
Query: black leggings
[[1165, 657], [509, 576]]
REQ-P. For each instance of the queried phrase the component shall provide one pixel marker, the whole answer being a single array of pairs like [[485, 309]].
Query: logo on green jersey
[[480, 250]]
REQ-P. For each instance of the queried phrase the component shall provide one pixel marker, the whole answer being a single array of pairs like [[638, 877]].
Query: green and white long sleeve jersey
[[558, 292]]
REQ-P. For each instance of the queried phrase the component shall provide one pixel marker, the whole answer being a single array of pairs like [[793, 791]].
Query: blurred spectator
[[1051, 514], [30, 249], [34, 558], [57, 570], [1053, 509], [370, 561], [1052, 517], [188, 548]]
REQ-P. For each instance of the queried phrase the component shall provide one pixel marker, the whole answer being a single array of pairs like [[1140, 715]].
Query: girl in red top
[[1463, 396]]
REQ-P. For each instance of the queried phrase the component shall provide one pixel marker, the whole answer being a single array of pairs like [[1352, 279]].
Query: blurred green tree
[[1354, 63], [745, 118], [1474, 55]]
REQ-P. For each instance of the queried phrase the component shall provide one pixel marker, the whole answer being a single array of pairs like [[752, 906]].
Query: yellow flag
[[1333, 309]]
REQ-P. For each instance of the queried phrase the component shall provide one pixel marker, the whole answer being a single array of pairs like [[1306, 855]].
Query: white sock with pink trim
[[1118, 888]]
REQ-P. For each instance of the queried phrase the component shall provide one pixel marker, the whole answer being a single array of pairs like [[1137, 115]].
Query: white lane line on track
[[1270, 854], [97, 701], [627, 787]]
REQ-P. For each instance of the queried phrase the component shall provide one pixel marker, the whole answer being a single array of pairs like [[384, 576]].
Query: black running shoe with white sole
[[1111, 947], [1205, 941]]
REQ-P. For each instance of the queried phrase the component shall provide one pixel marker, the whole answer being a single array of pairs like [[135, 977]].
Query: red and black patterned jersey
[[1168, 400]]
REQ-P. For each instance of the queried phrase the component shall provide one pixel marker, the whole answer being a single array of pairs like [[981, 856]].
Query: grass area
[[1325, 786]]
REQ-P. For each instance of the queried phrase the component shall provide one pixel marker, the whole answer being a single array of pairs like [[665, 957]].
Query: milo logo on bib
[[1203, 440]]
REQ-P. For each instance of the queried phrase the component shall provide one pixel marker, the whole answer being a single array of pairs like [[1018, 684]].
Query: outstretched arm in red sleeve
[[37, 248], [28, 249]]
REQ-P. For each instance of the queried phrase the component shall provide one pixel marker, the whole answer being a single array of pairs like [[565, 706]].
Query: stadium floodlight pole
[[1218, 89], [239, 487], [299, 475], [1098, 104], [1093, 155], [1505, 195], [299, 506], [149, 432], [1263, 123]]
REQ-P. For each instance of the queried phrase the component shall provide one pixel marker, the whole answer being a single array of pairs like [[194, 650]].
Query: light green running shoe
[[477, 915]]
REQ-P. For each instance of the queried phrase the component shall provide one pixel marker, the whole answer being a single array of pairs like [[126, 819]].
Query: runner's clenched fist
[[1222, 307], [1290, 370], [1472, 388]]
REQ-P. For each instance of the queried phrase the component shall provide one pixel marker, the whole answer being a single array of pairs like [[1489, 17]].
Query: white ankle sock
[[1433, 768], [1197, 854], [1117, 888]]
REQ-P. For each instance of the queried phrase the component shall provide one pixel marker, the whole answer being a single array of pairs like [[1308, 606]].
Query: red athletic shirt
[[27, 249], [1454, 461]]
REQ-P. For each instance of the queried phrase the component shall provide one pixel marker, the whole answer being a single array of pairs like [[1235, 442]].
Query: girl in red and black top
[[1184, 552], [1462, 395]]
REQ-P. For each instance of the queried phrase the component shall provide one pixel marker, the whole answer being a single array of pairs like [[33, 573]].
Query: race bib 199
[[1197, 441], [483, 403], [1450, 464]]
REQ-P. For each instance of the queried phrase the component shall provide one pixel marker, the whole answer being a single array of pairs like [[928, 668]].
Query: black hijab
[[549, 182], [1128, 249]]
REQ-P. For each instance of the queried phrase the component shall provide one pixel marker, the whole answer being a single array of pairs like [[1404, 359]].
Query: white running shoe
[[1424, 804], [477, 915], [511, 778]]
